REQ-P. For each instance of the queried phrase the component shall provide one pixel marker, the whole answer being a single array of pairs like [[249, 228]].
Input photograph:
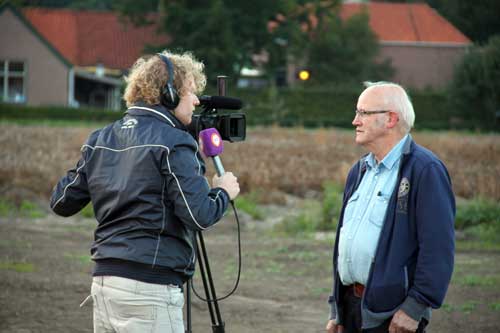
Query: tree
[[475, 90], [224, 34], [345, 52]]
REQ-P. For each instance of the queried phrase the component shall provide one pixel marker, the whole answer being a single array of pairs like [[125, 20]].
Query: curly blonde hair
[[149, 74]]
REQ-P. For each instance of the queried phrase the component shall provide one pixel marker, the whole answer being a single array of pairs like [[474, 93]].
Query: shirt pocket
[[378, 210], [350, 207]]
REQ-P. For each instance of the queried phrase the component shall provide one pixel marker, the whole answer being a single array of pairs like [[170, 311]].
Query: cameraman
[[144, 176]]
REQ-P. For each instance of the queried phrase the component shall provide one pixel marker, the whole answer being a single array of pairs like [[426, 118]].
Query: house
[[78, 58], [67, 57], [423, 47]]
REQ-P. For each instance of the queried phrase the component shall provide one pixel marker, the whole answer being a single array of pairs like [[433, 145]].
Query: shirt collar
[[391, 158]]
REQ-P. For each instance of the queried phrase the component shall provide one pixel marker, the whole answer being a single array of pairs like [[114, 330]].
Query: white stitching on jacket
[[154, 111], [169, 169], [74, 180]]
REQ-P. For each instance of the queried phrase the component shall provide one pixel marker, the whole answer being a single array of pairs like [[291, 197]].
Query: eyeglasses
[[363, 113]]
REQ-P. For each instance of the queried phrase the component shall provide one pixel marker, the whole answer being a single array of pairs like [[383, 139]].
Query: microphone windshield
[[211, 142], [220, 102]]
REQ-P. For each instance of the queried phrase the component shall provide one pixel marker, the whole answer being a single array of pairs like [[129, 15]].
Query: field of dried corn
[[272, 160]]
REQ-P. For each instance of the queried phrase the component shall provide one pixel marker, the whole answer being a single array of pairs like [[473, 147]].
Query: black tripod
[[208, 285]]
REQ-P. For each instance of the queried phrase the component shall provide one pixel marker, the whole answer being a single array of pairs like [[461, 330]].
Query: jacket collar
[[157, 111]]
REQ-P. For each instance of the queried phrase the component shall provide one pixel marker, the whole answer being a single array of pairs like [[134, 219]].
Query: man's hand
[[333, 327], [402, 323], [228, 182]]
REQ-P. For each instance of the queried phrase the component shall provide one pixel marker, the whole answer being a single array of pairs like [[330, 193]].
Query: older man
[[393, 254]]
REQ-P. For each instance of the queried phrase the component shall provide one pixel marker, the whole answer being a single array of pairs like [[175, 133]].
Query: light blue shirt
[[364, 216]]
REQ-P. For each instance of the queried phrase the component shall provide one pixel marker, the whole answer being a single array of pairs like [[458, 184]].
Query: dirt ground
[[45, 274]]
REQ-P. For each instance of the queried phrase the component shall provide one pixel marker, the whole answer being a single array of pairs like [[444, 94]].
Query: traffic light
[[303, 74]]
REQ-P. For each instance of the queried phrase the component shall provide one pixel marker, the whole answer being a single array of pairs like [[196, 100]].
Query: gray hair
[[397, 98]]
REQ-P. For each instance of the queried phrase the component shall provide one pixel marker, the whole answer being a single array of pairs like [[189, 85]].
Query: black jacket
[[144, 176]]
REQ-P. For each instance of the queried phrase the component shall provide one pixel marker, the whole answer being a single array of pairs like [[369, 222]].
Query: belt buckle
[[358, 289]]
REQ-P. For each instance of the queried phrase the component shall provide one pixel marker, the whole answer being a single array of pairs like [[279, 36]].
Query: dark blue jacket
[[414, 258], [144, 176]]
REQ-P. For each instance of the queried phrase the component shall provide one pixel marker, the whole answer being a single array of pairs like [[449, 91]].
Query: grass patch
[[318, 291], [495, 306], [331, 206], [248, 204], [477, 211], [88, 211], [304, 255], [478, 281], [316, 216], [25, 209], [20, 267], [477, 245], [30, 209], [83, 259], [305, 222], [274, 267], [466, 307], [6, 208]]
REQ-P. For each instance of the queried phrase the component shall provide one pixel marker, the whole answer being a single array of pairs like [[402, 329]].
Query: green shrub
[[331, 206], [6, 208], [305, 222], [474, 92], [332, 106], [477, 211], [317, 216], [23, 112], [88, 211], [30, 209], [248, 204]]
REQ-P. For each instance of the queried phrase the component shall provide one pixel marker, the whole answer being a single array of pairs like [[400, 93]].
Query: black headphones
[[169, 97]]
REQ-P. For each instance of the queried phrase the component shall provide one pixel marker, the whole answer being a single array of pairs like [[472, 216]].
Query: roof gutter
[[84, 73], [424, 44]]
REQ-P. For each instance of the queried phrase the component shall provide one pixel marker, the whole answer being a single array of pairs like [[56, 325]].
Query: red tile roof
[[401, 22], [86, 38]]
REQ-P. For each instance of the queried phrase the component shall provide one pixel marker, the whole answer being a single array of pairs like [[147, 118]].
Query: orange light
[[304, 75]]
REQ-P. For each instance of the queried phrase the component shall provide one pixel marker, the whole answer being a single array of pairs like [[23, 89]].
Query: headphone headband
[[169, 96]]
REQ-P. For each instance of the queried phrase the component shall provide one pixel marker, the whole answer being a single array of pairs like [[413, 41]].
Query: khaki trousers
[[127, 306]]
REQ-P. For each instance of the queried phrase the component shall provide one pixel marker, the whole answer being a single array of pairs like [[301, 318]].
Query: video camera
[[231, 126]]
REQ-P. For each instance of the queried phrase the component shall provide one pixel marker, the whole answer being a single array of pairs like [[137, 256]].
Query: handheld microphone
[[220, 102], [212, 146]]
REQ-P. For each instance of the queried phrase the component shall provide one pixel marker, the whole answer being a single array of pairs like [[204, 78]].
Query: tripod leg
[[218, 327], [188, 307], [205, 283]]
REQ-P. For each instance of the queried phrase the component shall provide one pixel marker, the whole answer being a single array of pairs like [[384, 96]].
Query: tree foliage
[[346, 51], [475, 91]]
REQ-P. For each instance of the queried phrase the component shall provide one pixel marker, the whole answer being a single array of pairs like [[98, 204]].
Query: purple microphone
[[212, 146]]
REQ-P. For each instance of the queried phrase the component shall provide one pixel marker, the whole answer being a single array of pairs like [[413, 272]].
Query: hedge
[[21, 112], [284, 107], [332, 107]]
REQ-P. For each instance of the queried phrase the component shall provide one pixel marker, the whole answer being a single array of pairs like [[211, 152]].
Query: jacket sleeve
[[71, 194], [188, 191], [435, 217]]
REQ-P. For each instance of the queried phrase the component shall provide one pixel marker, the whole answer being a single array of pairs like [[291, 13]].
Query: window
[[12, 81]]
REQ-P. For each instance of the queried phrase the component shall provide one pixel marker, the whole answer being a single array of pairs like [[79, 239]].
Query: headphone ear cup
[[169, 97]]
